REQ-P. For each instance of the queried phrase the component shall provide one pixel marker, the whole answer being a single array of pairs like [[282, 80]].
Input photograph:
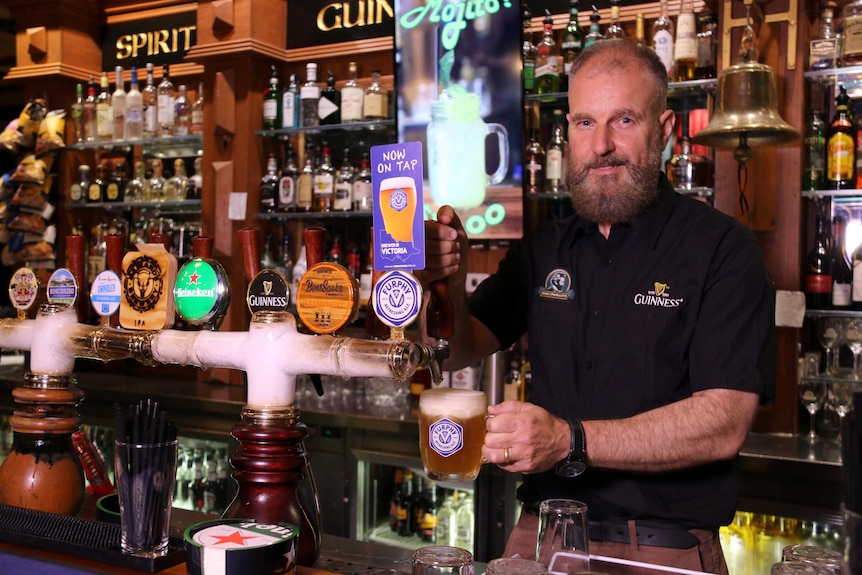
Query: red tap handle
[[202, 246], [314, 237], [75, 251], [249, 240], [373, 326], [161, 238], [114, 245], [440, 316]]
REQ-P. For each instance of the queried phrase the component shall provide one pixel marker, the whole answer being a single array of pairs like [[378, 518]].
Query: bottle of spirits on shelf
[[91, 114], [118, 105], [549, 59], [80, 187], [825, 48], [856, 282], [329, 106], [272, 102], [614, 29], [324, 181], [104, 114], [362, 189], [77, 115], [707, 46], [687, 170], [182, 112], [98, 252], [352, 96], [375, 105], [851, 42], [151, 106], [528, 50], [197, 126], [290, 104], [534, 165], [310, 95], [94, 191], [116, 183], [685, 44], [156, 181], [841, 145], [818, 269], [165, 104], [136, 189], [343, 189], [134, 109], [814, 153], [555, 155], [595, 33], [573, 38], [287, 184], [305, 189], [195, 182], [640, 37], [662, 38], [842, 275], [269, 186], [175, 186]]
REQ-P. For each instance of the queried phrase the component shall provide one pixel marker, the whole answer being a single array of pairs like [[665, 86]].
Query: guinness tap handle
[[249, 240], [75, 251], [315, 238], [202, 247]]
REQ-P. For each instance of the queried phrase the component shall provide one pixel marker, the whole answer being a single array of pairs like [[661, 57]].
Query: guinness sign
[[163, 40], [337, 21]]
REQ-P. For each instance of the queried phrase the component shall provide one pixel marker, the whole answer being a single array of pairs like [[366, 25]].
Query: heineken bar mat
[[78, 537]]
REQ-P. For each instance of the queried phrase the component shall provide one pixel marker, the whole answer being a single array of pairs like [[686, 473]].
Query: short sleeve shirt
[[677, 301]]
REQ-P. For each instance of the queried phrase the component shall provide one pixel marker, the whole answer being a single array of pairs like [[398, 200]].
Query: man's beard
[[615, 198]]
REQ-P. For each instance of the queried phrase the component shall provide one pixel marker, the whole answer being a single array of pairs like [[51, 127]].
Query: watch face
[[571, 468]]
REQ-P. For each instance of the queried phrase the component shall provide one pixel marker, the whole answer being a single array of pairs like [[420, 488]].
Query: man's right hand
[[446, 250]]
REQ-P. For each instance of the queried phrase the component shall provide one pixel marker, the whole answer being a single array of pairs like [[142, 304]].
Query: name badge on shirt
[[558, 286]]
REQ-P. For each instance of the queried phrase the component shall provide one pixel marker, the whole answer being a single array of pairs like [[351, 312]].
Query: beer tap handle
[[314, 237], [114, 248], [440, 320], [202, 247], [75, 251], [249, 239], [161, 238]]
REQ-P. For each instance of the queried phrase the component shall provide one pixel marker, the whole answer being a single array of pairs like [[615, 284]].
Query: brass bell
[[747, 110]]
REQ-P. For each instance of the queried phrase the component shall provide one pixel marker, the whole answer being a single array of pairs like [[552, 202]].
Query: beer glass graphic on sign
[[398, 206], [451, 433]]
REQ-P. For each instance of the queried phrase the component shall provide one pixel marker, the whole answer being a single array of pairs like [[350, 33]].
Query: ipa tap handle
[[249, 240], [75, 251], [202, 247]]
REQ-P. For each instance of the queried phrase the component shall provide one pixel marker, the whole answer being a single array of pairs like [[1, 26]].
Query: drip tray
[[79, 537]]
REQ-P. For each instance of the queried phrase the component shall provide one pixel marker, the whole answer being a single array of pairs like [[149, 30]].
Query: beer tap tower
[[275, 482]]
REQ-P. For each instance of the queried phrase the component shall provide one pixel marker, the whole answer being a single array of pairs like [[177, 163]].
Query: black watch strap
[[576, 462]]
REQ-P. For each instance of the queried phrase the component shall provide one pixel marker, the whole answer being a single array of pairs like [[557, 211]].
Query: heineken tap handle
[[75, 251], [202, 247], [249, 240]]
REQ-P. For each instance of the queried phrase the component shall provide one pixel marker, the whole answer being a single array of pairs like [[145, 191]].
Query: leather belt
[[649, 533]]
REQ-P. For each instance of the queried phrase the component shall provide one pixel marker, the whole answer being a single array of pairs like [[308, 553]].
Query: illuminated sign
[[335, 22], [164, 40]]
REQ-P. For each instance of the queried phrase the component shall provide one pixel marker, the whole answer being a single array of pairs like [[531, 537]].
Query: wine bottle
[[818, 269], [842, 275]]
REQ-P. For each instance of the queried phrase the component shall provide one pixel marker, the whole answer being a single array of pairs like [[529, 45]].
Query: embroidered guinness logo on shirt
[[558, 286], [659, 296]]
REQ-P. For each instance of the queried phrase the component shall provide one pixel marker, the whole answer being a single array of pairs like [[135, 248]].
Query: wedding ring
[[506, 456]]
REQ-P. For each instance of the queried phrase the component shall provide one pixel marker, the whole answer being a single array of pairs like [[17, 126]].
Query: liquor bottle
[[299, 269], [116, 183], [818, 269], [428, 523], [419, 504], [77, 114], [343, 189], [662, 38], [94, 192], [195, 183], [210, 495], [80, 187], [841, 145], [151, 105], [528, 50], [405, 508], [329, 106], [555, 156], [362, 189], [354, 261], [104, 115], [324, 182], [287, 184], [118, 105], [549, 59], [814, 149], [196, 488], [842, 275], [309, 95], [134, 109], [290, 104], [534, 165], [305, 188], [165, 104], [614, 29], [175, 186], [851, 38], [856, 282], [595, 33], [335, 255], [272, 103], [352, 96], [640, 38], [573, 38], [197, 126], [375, 104], [91, 114], [98, 252], [825, 48], [269, 185], [445, 522], [182, 112], [223, 493], [395, 501], [464, 523], [136, 189], [156, 182], [687, 170], [707, 46], [685, 45]]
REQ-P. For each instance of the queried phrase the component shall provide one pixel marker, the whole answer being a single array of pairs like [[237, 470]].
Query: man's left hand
[[530, 438]]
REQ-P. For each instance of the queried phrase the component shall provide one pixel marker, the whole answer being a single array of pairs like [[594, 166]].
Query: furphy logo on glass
[[659, 296], [445, 437]]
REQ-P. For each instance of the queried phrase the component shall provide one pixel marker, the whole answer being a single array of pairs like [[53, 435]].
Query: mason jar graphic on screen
[[398, 207], [456, 150]]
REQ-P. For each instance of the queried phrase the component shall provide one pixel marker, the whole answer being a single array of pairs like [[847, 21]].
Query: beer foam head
[[453, 402]]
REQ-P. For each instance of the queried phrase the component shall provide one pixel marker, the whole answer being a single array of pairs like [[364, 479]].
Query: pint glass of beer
[[451, 433]]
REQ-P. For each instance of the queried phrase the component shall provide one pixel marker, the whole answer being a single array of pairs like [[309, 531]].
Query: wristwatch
[[576, 462]]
